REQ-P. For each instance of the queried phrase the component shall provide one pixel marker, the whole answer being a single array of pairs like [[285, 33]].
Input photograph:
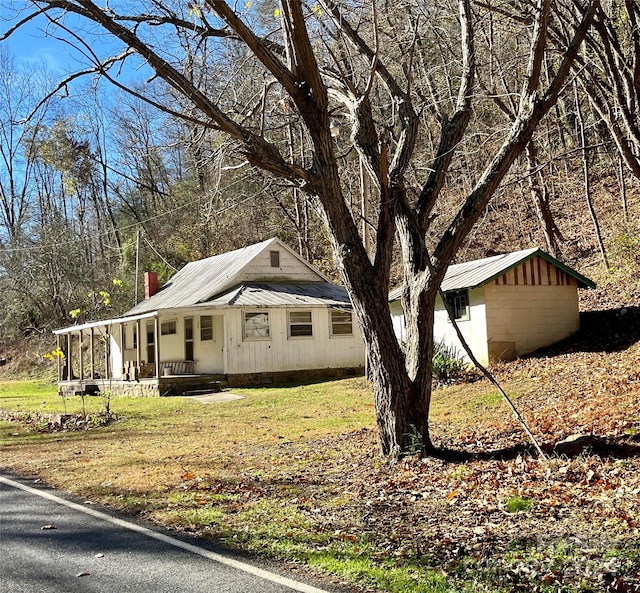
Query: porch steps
[[213, 388], [79, 388], [195, 386]]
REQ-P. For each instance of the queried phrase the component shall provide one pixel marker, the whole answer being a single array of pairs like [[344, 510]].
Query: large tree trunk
[[402, 401]]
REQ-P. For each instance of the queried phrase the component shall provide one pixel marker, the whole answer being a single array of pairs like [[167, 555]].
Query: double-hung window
[[341, 323], [300, 324], [206, 328]]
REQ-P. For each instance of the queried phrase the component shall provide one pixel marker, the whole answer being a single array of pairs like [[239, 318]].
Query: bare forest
[[383, 141]]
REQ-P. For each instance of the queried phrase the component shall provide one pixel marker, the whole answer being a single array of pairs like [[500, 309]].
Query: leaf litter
[[579, 527]]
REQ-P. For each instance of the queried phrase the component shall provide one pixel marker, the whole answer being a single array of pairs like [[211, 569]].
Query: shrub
[[448, 364]]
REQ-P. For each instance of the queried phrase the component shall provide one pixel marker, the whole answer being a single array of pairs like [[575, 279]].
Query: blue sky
[[30, 44]]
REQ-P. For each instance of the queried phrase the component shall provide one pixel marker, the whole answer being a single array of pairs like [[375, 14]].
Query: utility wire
[[136, 224]]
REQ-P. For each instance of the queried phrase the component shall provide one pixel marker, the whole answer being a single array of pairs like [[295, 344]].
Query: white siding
[[397, 318], [474, 329], [115, 355], [291, 268], [229, 353], [172, 345], [281, 353]]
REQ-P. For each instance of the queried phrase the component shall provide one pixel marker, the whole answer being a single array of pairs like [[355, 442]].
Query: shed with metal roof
[[505, 306]]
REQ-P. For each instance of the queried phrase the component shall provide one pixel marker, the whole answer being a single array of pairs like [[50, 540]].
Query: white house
[[255, 315], [505, 306]]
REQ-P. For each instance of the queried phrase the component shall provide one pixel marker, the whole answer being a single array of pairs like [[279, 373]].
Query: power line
[[192, 203]]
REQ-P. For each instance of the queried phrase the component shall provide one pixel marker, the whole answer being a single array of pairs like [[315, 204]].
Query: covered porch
[[108, 355]]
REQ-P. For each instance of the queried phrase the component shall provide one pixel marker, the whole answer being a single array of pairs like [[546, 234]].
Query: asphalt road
[[50, 544]]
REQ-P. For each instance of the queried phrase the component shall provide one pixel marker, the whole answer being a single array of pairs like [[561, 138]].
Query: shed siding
[[532, 316], [474, 329], [291, 268], [536, 272]]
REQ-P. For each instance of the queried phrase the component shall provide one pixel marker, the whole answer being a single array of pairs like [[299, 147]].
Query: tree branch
[[454, 129]]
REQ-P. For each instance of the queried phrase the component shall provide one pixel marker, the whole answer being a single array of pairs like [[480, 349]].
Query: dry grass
[[294, 473]]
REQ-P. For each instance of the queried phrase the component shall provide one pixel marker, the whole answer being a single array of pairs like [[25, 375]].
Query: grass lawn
[[294, 473]]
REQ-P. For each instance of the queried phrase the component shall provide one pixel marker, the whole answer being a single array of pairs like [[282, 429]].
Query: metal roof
[[104, 323], [273, 294], [478, 272], [200, 281]]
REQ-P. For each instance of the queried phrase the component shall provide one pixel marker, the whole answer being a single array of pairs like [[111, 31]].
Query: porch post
[[91, 353], [156, 341], [58, 359], [80, 338], [107, 353], [138, 343], [122, 366], [69, 365]]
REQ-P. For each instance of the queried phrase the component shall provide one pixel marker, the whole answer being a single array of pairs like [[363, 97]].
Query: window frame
[[333, 323], [274, 257], [451, 297], [299, 324], [171, 324], [245, 326], [203, 328]]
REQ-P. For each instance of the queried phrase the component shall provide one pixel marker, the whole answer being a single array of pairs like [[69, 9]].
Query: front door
[[210, 344]]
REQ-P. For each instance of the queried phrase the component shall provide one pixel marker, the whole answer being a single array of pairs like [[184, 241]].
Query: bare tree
[[609, 73], [398, 80], [18, 88]]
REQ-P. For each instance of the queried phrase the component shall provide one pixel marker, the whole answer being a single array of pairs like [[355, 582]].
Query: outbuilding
[[505, 306], [255, 315]]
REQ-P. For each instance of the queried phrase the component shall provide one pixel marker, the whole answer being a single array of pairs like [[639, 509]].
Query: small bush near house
[[448, 364]]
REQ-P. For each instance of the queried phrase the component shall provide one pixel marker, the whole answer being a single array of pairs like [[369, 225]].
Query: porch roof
[[261, 294], [103, 323]]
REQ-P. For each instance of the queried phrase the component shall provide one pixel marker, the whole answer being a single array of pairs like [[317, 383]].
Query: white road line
[[257, 572]]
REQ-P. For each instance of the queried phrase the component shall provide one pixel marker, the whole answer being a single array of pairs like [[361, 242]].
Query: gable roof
[[479, 272], [201, 281]]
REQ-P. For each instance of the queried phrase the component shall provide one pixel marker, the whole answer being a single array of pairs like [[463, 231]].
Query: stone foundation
[[177, 385], [296, 377]]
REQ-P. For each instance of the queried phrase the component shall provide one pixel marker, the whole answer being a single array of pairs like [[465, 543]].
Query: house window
[[151, 343], [256, 325], [168, 328], [300, 324], [188, 338], [275, 259], [458, 303], [341, 323], [206, 328]]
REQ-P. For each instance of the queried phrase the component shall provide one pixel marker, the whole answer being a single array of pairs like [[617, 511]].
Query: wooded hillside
[[98, 184]]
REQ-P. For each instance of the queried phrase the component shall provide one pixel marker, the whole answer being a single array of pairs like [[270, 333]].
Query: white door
[[209, 346]]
